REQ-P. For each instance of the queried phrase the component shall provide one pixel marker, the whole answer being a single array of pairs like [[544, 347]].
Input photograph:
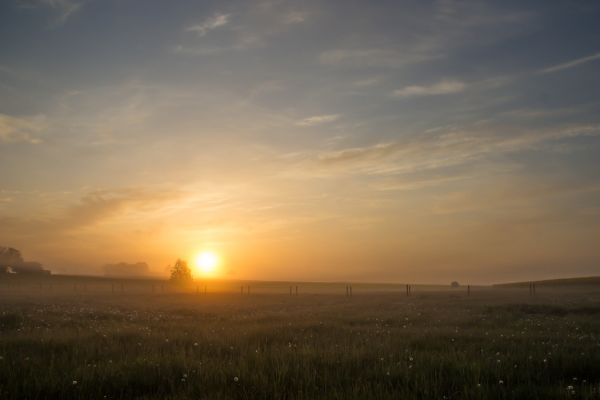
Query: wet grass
[[496, 344]]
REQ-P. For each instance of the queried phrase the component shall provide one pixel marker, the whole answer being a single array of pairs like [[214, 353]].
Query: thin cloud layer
[[571, 64], [65, 9], [214, 22], [17, 129], [443, 87], [319, 119]]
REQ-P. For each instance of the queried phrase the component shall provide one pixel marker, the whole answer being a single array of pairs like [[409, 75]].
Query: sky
[[380, 141]]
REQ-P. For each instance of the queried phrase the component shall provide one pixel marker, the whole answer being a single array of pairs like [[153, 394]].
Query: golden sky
[[393, 141]]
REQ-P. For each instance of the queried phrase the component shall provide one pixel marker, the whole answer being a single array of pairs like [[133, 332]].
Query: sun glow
[[207, 263]]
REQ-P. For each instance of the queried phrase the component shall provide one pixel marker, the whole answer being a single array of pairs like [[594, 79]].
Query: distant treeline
[[12, 262], [127, 270]]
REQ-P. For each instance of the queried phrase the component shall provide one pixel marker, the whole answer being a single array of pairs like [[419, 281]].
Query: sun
[[207, 263]]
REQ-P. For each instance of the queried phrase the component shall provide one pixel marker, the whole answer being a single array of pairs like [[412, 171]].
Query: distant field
[[89, 284], [72, 338]]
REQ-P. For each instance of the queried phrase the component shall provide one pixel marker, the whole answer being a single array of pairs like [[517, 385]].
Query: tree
[[10, 257], [181, 273]]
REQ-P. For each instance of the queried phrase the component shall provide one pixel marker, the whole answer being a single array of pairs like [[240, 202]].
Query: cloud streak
[[17, 129], [571, 64], [371, 57], [319, 119], [64, 8], [440, 88], [294, 17], [443, 149], [209, 24]]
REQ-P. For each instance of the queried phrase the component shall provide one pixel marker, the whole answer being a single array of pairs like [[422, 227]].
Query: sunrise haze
[[423, 141]]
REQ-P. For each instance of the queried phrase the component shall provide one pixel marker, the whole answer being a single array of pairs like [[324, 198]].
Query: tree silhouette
[[10, 257], [181, 273]]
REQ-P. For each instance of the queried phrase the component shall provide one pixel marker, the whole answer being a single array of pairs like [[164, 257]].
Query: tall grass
[[385, 346]]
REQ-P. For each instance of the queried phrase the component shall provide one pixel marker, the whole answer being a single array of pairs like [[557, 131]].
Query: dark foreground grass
[[496, 344]]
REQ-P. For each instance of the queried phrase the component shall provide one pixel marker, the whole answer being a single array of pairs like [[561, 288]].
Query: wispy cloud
[[369, 57], [97, 207], [209, 24], [202, 50], [433, 31], [443, 87], [319, 119], [100, 205], [64, 8], [254, 26], [443, 149], [294, 17], [570, 64], [372, 81], [16, 129]]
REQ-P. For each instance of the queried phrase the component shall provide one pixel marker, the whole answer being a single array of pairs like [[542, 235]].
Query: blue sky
[[385, 140]]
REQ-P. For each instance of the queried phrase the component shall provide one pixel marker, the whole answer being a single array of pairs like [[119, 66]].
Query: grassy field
[[93, 339]]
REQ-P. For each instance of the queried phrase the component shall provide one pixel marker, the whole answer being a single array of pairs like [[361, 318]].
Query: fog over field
[[125, 339]]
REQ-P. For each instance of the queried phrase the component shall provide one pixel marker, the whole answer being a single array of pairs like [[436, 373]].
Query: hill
[[587, 281]]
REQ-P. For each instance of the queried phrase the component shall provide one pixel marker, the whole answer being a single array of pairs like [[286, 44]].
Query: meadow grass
[[494, 344]]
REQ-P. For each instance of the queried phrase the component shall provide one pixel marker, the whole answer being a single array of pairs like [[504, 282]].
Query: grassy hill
[[585, 281]]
